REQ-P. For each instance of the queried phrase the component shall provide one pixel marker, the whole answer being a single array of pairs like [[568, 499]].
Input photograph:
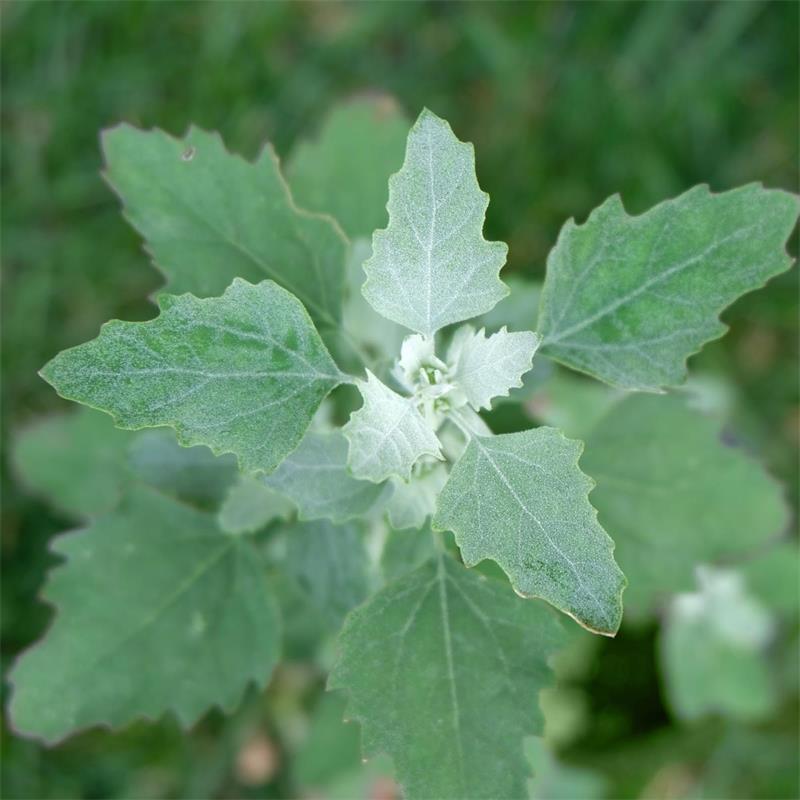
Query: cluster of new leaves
[[164, 600]]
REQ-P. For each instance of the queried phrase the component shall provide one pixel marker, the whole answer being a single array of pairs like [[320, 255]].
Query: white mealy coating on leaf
[[712, 649], [387, 434], [241, 373], [431, 266], [723, 601], [486, 367], [521, 500]]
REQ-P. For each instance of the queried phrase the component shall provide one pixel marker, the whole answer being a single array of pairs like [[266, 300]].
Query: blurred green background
[[566, 104]]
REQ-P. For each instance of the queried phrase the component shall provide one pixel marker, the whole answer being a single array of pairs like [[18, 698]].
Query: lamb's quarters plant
[[383, 520]]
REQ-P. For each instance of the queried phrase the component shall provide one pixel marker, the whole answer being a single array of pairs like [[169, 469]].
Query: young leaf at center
[[387, 434], [431, 266]]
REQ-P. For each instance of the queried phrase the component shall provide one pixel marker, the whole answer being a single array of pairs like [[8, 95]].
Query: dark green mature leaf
[[78, 461], [673, 495], [316, 479], [192, 474], [435, 665], [406, 550], [242, 373], [521, 500], [250, 505], [157, 611], [82, 463], [554, 780], [345, 171], [329, 562], [209, 216], [629, 299]]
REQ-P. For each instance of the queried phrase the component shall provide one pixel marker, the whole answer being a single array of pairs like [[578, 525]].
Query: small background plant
[[725, 506]]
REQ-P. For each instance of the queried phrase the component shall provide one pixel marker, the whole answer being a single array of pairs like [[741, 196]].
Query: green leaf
[[330, 749], [426, 659], [517, 310], [674, 495], [329, 562], [629, 299], [380, 337], [328, 764], [387, 435], [209, 216], [76, 460], [157, 611], [192, 474], [571, 402], [521, 500], [406, 550], [712, 651], [554, 780], [344, 172], [250, 505], [773, 577], [316, 479], [242, 373], [484, 368], [431, 266], [413, 501]]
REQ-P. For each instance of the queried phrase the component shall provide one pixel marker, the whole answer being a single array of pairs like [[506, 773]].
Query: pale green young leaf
[[414, 500], [77, 461], [431, 266], [316, 479], [242, 373], [629, 299], [250, 505], [521, 500], [427, 658], [192, 474], [344, 171], [329, 563], [157, 611], [209, 216], [487, 367], [387, 435], [673, 495], [712, 651]]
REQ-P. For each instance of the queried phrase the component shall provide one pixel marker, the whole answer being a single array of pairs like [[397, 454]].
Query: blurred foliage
[[566, 103]]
